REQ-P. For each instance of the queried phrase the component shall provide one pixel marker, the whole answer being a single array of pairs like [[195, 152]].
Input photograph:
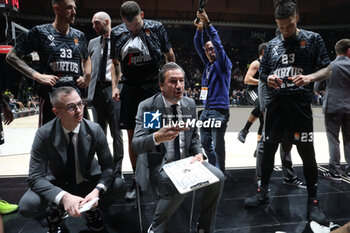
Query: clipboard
[[187, 176]]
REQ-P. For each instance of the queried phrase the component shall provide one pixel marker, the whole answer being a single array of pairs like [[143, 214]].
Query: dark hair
[[342, 46], [129, 10], [261, 48], [54, 2], [285, 8], [55, 95], [166, 67]]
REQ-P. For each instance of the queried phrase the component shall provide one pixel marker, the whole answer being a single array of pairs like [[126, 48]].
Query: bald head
[[101, 23]]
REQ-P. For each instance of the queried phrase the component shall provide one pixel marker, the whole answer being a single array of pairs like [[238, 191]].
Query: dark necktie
[[177, 139], [71, 161], [103, 65]]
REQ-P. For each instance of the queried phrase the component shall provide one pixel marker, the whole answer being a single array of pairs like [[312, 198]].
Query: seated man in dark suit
[[158, 147], [63, 173]]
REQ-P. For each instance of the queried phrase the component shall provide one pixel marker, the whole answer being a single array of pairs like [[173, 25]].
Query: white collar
[[167, 103], [76, 130]]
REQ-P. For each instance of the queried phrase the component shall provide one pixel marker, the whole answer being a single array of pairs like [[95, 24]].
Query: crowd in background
[[239, 43]]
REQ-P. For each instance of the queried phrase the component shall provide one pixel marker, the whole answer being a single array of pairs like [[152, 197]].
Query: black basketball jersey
[[301, 55], [140, 56], [60, 54]]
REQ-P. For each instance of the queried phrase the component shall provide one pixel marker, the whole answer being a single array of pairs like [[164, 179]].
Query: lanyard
[[207, 73]]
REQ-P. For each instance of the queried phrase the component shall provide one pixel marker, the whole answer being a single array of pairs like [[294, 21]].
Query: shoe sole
[[8, 211], [241, 140]]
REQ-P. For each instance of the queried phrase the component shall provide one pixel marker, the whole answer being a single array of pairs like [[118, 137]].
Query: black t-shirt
[[303, 54], [60, 54]]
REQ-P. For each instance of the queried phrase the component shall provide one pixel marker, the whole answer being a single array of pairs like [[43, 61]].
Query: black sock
[[247, 125]]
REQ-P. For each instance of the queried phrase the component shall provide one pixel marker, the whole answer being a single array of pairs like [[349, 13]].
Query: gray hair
[[166, 67]]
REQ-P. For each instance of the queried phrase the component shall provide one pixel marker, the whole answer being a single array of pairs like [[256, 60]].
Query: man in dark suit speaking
[[157, 147], [63, 173]]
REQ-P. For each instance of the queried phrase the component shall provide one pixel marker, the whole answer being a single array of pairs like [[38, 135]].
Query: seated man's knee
[[165, 186], [217, 172], [30, 205], [119, 184], [118, 187]]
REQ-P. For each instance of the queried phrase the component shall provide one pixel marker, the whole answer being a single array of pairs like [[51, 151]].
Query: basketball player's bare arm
[[13, 58], [170, 56], [83, 81], [116, 73], [320, 75], [249, 77]]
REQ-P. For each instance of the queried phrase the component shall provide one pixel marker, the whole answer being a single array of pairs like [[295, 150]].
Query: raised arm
[[198, 41]]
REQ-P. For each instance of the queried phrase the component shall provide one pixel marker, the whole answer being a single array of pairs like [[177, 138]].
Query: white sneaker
[[317, 228]]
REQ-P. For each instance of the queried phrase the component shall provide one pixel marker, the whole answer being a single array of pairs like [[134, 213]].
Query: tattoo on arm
[[115, 73], [14, 60], [322, 74]]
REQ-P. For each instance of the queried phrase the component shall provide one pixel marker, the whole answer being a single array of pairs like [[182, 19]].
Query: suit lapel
[[59, 141], [84, 144], [159, 105], [99, 54]]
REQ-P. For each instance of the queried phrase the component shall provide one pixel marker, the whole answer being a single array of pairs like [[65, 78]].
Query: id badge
[[204, 93]]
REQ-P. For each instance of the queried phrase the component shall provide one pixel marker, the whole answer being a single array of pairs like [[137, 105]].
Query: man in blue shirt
[[215, 89]]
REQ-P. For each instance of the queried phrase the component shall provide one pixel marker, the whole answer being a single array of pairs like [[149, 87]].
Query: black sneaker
[[94, 220], [314, 212], [55, 219], [329, 175], [260, 198], [242, 135], [294, 182], [54, 229]]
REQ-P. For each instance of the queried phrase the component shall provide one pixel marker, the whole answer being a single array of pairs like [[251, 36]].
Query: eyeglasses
[[73, 107]]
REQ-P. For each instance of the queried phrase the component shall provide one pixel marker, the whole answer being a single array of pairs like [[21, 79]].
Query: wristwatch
[[100, 190]]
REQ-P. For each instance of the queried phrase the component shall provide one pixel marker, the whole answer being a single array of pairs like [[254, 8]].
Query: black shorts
[[253, 97], [130, 98], [288, 120]]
